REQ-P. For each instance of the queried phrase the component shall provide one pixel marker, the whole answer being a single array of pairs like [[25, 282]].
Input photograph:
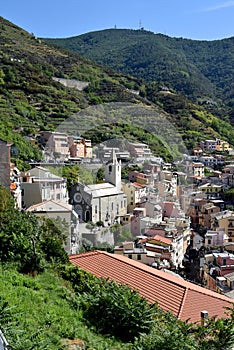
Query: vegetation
[[29, 96], [27, 241], [200, 70], [45, 301], [41, 312]]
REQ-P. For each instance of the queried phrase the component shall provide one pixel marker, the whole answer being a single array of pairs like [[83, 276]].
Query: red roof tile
[[161, 239], [184, 299], [137, 184]]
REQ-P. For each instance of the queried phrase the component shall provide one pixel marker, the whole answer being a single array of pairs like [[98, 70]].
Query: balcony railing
[[3, 342]]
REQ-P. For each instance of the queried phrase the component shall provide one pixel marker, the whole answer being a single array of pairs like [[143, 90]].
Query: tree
[[6, 200], [52, 239], [19, 233], [121, 233], [29, 242], [75, 173], [100, 175]]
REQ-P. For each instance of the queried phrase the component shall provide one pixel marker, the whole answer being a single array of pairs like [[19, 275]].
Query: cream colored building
[[129, 250], [39, 185], [198, 170], [54, 210], [134, 192], [224, 220]]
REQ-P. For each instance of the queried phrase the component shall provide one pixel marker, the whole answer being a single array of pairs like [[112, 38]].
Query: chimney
[[204, 318]]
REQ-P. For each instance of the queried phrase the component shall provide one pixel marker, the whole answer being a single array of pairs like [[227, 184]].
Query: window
[[112, 206], [138, 256], [95, 209], [130, 256], [209, 241]]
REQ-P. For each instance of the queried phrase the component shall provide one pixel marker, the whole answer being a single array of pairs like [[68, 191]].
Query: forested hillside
[[32, 101], [200, 70]]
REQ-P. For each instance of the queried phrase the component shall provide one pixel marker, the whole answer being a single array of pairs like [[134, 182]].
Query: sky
[[191, 19]]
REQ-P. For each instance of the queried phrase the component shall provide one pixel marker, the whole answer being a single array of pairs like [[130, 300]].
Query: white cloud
[[220, 6]]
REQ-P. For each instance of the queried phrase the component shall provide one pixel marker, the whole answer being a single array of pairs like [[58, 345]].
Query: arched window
[[87, 216]]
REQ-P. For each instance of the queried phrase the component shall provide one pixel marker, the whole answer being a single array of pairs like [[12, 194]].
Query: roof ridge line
[[116, 256], [213, 293], [182, 303]]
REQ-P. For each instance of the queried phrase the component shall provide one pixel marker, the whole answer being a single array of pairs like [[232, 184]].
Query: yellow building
[[224, 220]]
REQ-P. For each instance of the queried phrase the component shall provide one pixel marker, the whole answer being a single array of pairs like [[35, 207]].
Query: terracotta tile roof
[[138, 185], [184, 299], [161, 239]]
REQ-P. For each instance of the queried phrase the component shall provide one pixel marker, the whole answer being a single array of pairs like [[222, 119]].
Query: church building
[[104, 202]]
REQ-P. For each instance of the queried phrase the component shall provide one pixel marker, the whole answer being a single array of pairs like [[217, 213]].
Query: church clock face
[[77, 197]]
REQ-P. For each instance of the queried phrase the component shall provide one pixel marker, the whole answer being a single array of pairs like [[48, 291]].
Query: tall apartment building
[[55, 143]]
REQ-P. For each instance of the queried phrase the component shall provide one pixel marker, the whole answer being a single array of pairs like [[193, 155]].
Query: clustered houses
[[217, 272], [41, 192], [192, 198], [215, 145], [162, 208], [64, 147]]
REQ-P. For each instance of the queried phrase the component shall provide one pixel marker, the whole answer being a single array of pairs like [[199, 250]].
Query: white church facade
[[104, 202]]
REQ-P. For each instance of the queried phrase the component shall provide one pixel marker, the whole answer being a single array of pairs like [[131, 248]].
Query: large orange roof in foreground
[[184, 299]]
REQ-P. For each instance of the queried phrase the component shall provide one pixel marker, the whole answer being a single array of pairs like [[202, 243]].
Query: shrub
[[118, 311], [111, 308]]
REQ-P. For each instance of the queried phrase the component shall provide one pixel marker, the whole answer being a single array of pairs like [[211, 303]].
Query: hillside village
[[117, 232], [175, 215]]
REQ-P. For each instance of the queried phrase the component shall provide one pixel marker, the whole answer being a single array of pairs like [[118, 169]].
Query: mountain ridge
[[201, 70], [31, 101]]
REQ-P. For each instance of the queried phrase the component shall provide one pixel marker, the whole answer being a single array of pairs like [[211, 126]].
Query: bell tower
[[113, 171]]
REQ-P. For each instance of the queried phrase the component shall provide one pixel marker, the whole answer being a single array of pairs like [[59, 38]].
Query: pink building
[[55, 143], [80, 147], [214, 238]]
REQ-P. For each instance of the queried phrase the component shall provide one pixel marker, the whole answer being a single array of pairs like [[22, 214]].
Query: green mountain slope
[[32, 101], [201, 70]]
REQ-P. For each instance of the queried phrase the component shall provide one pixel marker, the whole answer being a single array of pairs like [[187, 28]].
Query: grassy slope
[[43, 311]]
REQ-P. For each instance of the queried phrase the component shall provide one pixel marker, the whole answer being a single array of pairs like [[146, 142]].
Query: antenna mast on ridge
[[140, 25]]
